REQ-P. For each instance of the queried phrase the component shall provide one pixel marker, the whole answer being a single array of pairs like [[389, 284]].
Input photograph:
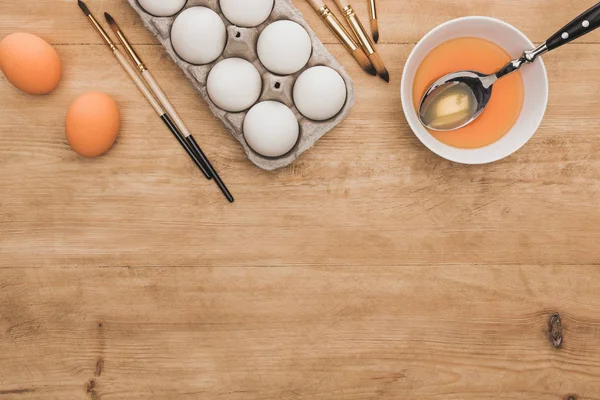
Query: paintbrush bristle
[[364, 61], [375, 30], [84, 8], [111, 22], [380, 67]]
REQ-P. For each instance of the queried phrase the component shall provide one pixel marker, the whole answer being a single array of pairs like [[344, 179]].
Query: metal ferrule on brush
[[373, 9], [359, 30], [102, 33], [337, 28], [130, 51]]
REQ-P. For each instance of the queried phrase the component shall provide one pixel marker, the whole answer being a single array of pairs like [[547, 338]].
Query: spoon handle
[[582, 25]]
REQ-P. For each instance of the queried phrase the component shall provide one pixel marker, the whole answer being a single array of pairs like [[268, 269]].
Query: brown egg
[[30, 63], [93, 123]]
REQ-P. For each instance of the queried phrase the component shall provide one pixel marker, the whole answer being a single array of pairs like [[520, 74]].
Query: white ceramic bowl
[[535, 81]]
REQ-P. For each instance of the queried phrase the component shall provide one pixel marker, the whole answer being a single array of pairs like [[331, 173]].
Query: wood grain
[[306, 332], [369, 269]]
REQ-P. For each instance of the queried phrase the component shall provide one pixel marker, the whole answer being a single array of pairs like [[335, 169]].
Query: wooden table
[[369, 269]]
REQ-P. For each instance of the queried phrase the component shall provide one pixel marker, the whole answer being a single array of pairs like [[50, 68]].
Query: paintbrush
[[374, 23], [138, 82], [162, 97], [363, 38], [342, 34]]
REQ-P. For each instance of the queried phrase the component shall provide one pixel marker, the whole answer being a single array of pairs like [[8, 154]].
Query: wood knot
[[90, 390], [99, 367], [89, 387], [555, 332], [570, 397]]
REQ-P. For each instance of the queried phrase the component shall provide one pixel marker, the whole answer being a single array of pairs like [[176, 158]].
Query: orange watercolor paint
[[483, 56]]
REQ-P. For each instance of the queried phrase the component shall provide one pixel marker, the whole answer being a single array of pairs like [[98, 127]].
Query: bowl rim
[[467, 156]]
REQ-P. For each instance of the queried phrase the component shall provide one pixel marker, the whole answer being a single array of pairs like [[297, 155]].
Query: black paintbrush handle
[[196, 148], [582, 25], [183, 142]]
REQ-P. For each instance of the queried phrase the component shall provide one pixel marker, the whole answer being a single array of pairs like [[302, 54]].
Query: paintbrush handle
[[162, 97], [159, 110], [357, 27], [177, 121], [196, 148], [316, 4], [138, 82], [183, 143], [341, 4], [334, 24]]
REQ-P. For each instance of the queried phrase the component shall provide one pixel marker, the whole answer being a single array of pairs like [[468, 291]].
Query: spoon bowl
[[455, 100]]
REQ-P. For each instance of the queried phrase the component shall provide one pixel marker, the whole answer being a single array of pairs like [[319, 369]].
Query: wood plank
[[298, 333], [61, 22], [367, 193]]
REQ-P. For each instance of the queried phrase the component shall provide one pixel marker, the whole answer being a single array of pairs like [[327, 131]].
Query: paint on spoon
[[450, 106]]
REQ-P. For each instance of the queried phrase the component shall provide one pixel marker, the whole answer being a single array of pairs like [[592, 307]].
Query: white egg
[[198, 35], [284, 47], [320, 93], [247, 13], [162, 8], [234, 85], [271, 129]]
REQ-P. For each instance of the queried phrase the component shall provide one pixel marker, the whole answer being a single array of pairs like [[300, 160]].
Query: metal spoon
[[457, 99]]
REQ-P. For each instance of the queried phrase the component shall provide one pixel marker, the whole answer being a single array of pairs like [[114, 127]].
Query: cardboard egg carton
[[241, 42]]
